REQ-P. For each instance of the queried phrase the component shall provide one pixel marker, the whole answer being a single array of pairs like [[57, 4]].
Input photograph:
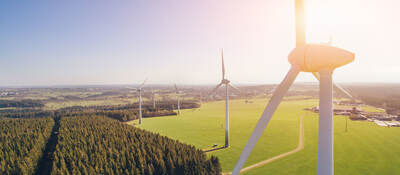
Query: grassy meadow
[[364, 149]]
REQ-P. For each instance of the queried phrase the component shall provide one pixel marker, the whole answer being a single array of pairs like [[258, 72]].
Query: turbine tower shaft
[[140, 106], [179, 105], [177, 97], [227, 115], [154, 102], [325, 129]]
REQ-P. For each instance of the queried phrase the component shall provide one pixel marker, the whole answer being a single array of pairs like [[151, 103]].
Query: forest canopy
[[22, 144], [99, 145], [95, 145]]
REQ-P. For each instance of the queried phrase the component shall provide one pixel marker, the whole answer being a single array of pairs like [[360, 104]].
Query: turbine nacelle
[[317, 57], [225, 81]]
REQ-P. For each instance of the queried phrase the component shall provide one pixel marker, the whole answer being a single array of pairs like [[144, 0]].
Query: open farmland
[[364, 149]]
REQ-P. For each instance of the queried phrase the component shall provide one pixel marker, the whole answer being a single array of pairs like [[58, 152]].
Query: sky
[[179, 41]]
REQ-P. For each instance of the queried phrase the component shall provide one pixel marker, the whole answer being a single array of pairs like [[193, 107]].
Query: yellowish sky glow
[[327, 18]]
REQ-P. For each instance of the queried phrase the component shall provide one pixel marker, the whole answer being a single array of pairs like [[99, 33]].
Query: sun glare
[[322, 19]]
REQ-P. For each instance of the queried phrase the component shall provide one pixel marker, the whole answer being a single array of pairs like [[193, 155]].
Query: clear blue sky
[[122, 42]]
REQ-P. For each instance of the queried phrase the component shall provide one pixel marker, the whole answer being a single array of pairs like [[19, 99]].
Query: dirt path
[[299, 147]]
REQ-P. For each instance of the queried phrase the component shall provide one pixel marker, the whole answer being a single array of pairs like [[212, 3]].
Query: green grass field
[[364, 149]]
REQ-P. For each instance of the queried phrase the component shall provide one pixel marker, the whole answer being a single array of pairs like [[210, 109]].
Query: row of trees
[[385, 96], [120, 115], [22, 144], [119, 112], [99, 145], [161, 105], [21, 104], [26, 113]]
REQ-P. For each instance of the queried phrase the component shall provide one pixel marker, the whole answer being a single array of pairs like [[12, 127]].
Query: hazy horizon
[[155, 85], [74, 43]]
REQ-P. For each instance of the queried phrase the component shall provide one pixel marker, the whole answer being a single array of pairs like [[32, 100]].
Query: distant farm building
[[5, 94], [392, 124], [339, 111], [387, 123], [358, 114], [381, 123]]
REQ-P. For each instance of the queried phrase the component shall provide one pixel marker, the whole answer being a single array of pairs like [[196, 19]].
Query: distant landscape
[[206, 87], [52, 121]]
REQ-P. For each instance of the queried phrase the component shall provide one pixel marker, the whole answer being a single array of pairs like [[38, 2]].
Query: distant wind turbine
[[227, 84], [177, 96], [200, 97], [139, 90], [153, 96]]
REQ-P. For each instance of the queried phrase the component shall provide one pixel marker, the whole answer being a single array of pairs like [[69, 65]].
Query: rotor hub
[[225, 81]]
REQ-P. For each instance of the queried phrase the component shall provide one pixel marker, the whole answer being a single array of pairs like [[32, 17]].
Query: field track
[[297, 149]]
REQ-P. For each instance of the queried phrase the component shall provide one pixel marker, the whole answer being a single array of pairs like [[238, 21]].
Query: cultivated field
[[364, 149]]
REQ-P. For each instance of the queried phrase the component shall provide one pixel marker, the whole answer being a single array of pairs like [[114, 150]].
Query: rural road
[[299, 147]]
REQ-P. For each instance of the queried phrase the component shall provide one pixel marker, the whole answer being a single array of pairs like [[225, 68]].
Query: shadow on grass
[[207, 150]]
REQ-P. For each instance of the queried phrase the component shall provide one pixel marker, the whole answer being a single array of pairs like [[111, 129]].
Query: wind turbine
[[306, 58], [139, 90], [200, 97], [177, 96], [153, 98], [227, 84]]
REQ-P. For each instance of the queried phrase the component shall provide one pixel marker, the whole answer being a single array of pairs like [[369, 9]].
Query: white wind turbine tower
[[177, 96], [200, 97], [227, 84], [139, 90], [306, 58], [153, 96]]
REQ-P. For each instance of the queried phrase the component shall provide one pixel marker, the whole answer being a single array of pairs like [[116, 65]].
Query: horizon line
[[166, 84]]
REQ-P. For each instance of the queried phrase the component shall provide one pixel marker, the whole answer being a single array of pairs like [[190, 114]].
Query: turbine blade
[[316, 75], [223, 64], [176, 89], [336, 87], [300, 23], [215, 89], [141, 85], [266, 116], [234, 87]]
